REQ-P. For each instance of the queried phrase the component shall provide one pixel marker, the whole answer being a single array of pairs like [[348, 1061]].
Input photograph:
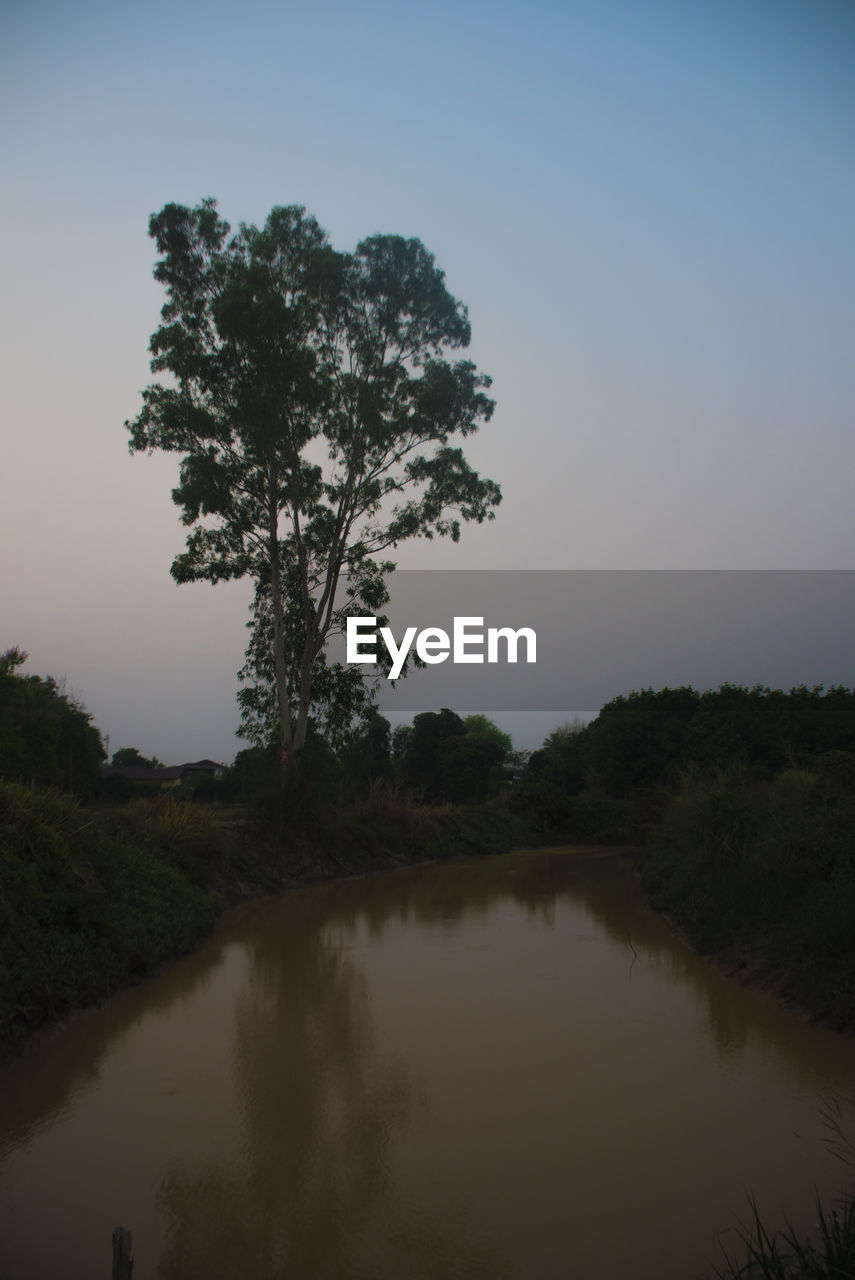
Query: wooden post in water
[[123, 1247]]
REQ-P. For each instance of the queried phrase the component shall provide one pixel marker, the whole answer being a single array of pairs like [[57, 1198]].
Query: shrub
[[86, 903]]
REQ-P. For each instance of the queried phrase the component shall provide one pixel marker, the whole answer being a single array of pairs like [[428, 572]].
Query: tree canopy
[[312, 402], [131, 756], [450, 759], [46, 737]]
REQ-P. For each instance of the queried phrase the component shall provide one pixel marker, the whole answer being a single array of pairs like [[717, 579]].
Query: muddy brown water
[[507, 1067]]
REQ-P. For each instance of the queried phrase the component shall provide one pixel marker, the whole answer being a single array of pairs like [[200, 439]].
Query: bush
[[86, 903], [770, 865], [46, 737]]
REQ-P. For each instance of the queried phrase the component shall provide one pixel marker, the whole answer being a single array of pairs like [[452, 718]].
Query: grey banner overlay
[[601, 633]]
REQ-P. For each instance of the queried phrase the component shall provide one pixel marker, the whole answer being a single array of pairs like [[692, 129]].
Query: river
[[501, 1068]]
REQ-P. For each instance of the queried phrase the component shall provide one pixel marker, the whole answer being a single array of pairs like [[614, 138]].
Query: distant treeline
[[439, 759], [608, 777]]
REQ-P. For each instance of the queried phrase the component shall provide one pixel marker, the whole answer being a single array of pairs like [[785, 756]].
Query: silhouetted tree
[[130, 756], [312, 404], [46, 737]]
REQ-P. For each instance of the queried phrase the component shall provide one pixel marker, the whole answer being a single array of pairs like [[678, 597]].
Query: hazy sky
[[648, 209]]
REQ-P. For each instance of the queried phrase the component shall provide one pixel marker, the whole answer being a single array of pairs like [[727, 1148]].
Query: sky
[[648, 210]]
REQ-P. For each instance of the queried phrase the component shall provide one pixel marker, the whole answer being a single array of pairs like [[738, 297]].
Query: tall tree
[[313, 405]]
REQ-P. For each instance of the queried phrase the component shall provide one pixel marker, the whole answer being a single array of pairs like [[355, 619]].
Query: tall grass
[[172, 821], [785, 1255], [829, 1254]]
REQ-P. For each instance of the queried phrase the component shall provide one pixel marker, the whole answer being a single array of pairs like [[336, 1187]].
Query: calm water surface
[[503, 1068]]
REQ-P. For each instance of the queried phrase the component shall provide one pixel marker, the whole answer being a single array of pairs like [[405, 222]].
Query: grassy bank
[[763, 871], [87, 904], [94, 899], [828, 1254]]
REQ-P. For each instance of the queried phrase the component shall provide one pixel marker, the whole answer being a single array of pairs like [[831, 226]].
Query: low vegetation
[[829, 1254], [88, 902], [94, 899], [767, 866]]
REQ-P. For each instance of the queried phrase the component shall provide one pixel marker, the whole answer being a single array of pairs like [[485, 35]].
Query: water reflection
[[308, 1191], [35, 1093], [467, 1069]]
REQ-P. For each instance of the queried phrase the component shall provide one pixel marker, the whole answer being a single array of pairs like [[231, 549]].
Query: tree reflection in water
[[310, 1192]]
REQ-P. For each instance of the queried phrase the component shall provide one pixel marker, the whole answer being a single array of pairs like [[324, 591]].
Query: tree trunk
[[305, 696], [285, 740]]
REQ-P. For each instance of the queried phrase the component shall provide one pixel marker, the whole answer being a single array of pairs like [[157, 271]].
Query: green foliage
[[551, 780], [313, 404], [385, 828], [639, 741], [649, 738], [447, 759], [312, 785], [770, 865], [340, 695], [366, 757], [421, 765], [470, 767], [612, 777], [256, 771], [46, 737], [86, 904], [480, 729], [401, 740], [171, 822]]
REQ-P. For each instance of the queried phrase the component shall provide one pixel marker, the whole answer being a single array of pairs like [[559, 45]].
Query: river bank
[[94, 900], [759, 874]]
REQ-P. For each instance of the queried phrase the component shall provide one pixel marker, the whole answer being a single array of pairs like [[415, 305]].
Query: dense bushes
[[46, 737], [769, 864], [384, 827], [93, 899], [618, 772], [560, 796], [87, 902], [446, 759], [650, 738]]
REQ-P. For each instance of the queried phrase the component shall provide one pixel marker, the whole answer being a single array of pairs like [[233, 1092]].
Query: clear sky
[[648, 209]]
